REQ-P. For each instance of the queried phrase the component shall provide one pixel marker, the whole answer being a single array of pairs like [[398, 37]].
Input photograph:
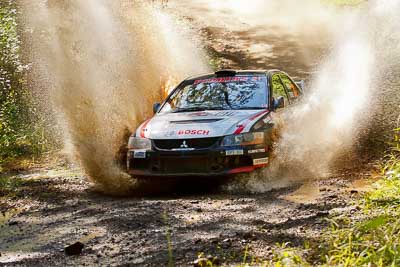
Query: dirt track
[[253, 44], [56, 206]]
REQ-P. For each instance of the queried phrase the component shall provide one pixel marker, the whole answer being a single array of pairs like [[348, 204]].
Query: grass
[[9, 185], [283, 255], [373, 240], [171, 261], [371, 237]]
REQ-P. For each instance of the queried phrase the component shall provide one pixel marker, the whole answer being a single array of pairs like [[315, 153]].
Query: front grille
[[197, 143]]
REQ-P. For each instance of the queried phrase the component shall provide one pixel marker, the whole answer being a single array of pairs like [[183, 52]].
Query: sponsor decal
[[139, 154], [260, 161], [253, 151], [234, 152], [194, 132], [223, 80]]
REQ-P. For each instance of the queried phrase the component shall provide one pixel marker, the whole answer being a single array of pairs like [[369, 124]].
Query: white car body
[[199, 124], [231, 137]]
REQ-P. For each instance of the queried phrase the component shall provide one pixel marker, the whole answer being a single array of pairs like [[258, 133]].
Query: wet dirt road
[[55, 207]]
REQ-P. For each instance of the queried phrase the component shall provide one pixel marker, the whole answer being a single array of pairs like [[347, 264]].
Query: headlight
[[243, 139], [139, 143]]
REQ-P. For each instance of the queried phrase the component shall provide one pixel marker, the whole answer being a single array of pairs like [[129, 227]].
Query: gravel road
[[55, 207]]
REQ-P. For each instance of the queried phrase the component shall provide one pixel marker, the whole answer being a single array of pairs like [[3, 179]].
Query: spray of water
[[101, 63], [350, 90]]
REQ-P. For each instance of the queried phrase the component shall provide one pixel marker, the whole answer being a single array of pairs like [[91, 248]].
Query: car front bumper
[[200, 162]]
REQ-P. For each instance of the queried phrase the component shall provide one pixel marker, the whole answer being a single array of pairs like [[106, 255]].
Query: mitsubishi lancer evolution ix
[[215, 124]]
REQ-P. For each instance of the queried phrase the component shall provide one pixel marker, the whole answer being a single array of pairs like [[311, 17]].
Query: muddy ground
[[53, 205]]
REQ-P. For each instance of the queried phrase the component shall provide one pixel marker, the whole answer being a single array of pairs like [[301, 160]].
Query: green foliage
[[277, 86], [286, 256], [169, 241], [203, 261], [371, 241], [19, 133], [9, 185]]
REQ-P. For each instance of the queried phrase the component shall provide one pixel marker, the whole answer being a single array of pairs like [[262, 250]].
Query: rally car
[[215, 124]]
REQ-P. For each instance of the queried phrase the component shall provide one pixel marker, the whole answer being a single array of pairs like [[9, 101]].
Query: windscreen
[[236, 92]]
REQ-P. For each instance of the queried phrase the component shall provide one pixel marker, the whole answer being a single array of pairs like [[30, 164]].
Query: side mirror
[[279, 102], [301, 85], [156, 107]]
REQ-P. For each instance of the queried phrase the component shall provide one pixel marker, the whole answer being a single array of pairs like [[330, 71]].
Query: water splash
[[101, 63], [353, 93]]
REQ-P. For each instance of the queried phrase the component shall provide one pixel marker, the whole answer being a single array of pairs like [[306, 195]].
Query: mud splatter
[[352, 93], [345, 91], [101, 63]]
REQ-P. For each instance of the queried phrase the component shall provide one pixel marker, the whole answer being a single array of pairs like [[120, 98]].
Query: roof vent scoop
[[226, 72]]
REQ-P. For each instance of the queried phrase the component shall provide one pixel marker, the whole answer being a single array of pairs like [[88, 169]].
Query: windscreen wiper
[[250, 108], [198, 109]]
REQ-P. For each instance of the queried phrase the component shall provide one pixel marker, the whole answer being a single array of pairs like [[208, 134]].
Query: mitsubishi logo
[[184, 145]]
